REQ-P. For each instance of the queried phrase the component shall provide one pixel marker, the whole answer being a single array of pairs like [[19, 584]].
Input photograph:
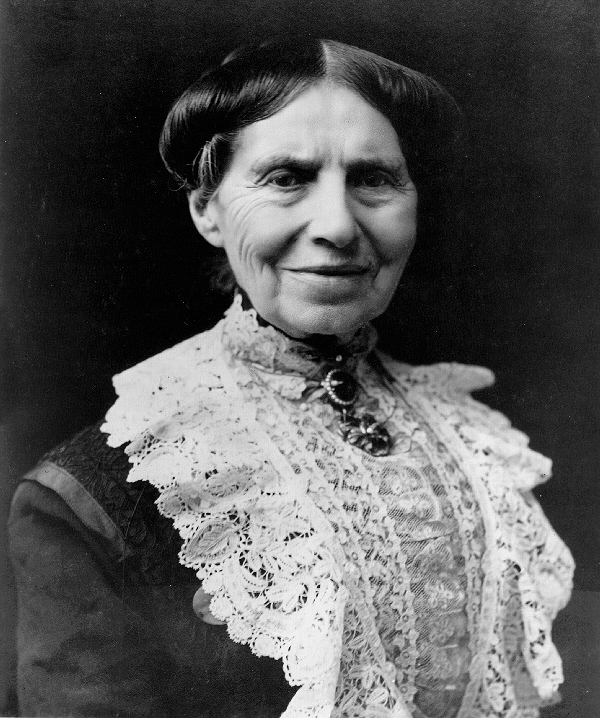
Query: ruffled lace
[[531, 566], [420, 584]]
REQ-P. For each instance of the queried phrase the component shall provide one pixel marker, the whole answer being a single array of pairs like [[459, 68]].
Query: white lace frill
[[531, 566], [301, 539]]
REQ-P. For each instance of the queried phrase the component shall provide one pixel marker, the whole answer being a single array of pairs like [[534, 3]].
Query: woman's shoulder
[[89, 479], [88, 457]]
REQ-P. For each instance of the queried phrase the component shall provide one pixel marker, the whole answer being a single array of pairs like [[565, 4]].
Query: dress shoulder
[[88, 457], [91, 478]]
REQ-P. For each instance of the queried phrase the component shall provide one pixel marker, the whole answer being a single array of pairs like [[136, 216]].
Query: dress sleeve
[[82, 651]]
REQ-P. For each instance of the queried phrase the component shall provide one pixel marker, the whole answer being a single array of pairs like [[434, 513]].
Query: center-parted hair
[[254, 82]]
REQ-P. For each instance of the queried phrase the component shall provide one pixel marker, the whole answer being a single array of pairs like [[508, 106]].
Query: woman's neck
[[325, 344]]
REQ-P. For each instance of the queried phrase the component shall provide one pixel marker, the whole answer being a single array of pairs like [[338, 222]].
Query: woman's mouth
[[332, 270], [329, 280]]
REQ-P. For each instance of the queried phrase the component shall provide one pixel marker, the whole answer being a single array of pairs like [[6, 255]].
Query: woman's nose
[[333, 219]]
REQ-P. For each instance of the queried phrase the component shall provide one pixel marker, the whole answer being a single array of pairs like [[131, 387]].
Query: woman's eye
[[375, 179], [372, 179], [285, 180]]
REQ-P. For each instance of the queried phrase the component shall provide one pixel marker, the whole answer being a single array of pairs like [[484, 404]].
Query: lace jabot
[[419, 584]]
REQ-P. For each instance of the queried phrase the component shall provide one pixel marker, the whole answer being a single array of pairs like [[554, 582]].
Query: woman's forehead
[[326, 122]]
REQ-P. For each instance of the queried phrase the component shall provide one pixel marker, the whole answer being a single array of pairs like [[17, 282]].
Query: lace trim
[[396, 555], [262, 505], [531, 566], [259, 546]]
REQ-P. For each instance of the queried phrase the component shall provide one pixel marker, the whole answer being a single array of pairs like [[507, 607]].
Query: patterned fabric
[[150, 542], [423, 583]]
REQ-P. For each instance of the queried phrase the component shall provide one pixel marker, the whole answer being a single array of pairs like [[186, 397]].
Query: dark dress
[[106, 626]]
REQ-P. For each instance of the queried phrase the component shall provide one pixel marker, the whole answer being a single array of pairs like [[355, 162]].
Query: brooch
[[364, 432]]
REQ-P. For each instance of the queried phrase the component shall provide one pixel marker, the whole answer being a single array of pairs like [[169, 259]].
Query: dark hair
[[256, 81]]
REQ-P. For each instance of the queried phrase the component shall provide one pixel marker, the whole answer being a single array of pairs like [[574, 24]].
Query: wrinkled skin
[[317, 213]]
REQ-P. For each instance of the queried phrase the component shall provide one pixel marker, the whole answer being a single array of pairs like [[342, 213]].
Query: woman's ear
[[205, 218]]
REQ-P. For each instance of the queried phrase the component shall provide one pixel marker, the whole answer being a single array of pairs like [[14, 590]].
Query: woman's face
[[316, 212]]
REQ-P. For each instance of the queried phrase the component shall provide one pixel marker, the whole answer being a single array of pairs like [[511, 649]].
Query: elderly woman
[[275, 519]]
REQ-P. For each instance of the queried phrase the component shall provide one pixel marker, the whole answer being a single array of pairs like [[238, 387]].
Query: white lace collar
[[236, 501]]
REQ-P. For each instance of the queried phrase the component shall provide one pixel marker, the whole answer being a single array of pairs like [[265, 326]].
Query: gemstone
[[341, 387], [364, 432]]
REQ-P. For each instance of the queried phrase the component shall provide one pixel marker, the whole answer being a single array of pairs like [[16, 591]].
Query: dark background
[[101, 267]]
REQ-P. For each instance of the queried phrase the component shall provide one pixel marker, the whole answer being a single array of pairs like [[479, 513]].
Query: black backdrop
[[102, 268]]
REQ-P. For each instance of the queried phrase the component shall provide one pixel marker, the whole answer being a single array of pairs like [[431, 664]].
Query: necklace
[[364, 432]]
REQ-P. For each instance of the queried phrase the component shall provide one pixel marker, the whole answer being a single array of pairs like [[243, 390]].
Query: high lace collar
[[248, 340]]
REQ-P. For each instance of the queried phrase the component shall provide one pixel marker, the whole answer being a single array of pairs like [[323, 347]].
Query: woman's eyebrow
[[287, 161], [393, 166], [262, 165]]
